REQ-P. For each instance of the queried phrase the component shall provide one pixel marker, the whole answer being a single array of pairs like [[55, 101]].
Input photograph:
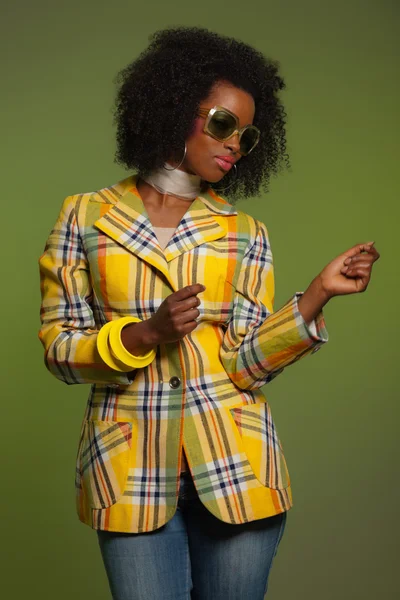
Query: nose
[[233, 143]]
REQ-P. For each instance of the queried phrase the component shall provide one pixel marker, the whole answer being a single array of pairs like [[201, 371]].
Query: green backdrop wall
[[337, 411]]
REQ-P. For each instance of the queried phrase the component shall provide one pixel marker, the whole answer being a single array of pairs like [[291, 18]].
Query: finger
[[371, 251], [357, 249], [351, 272], [374, 253], [189, 290], [188, 304], [188, 316], [362, 260], [189, 327], [358, 272], [185, 328]]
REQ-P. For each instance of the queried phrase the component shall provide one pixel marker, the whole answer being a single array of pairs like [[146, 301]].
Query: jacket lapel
[[200, 224], [127, 223]]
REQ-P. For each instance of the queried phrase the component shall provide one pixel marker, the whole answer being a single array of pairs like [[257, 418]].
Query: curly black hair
[[159, 93]]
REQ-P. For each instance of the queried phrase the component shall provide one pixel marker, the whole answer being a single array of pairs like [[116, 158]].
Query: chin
[[212, 175], [214, 179]]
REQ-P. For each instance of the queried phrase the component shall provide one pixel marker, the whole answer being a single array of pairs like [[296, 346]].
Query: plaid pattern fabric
[[262, 444], [103, 261], [104, 461]]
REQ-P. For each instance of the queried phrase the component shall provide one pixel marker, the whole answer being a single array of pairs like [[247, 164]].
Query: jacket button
[[174, 382]]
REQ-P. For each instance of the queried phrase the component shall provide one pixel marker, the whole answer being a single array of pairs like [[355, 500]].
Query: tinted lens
[[248, 140], [222, 125]]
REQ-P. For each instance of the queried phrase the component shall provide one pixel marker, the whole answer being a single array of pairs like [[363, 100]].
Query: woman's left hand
[[350, 272]]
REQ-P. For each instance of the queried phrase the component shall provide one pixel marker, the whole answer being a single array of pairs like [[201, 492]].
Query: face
[[206, 156]]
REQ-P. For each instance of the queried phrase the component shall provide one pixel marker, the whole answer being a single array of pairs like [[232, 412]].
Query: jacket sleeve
[[69, 331], [259, 343]]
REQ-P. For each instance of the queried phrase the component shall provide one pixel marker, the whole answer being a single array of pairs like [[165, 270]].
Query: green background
[[337, 411]]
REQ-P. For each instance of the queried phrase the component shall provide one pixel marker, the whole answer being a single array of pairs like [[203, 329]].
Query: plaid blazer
[[102, 261]]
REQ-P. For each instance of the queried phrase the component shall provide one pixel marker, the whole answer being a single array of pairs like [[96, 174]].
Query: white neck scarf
[[174, 183]]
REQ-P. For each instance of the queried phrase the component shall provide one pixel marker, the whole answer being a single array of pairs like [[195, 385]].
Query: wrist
[[319, 291], [313, 300], [139, 338], [150, 335]]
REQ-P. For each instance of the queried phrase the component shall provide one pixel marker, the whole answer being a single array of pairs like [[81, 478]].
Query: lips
[[225, 162]]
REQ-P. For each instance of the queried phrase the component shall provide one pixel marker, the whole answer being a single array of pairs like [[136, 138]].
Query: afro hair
[[159, 93]]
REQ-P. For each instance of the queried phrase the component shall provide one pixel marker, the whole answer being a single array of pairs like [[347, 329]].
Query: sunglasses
[[221, 124]]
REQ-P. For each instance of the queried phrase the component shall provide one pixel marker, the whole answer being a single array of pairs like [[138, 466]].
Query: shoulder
[[255, 227], [107, 195], [245, 224], [85, 207]]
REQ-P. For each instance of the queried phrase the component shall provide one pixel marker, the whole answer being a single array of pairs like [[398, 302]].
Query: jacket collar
[[127, 222]]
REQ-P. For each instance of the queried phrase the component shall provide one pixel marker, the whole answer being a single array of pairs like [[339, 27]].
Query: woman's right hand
[[175, 318]]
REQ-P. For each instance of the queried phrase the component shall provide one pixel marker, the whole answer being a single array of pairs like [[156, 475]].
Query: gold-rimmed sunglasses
[[222, 124]]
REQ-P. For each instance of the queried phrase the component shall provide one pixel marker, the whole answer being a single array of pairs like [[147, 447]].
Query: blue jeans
[[193, 556]]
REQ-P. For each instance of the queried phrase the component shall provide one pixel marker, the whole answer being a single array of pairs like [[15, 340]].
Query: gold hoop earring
[[177, 167], [232, 182]]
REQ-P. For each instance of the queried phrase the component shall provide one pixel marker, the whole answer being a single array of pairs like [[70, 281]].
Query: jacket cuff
[[316, 331]]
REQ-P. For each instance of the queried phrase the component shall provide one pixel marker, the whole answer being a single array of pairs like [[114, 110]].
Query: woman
[[159, 293]]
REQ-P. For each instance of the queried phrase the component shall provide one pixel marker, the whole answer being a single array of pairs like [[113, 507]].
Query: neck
[[174, 182]]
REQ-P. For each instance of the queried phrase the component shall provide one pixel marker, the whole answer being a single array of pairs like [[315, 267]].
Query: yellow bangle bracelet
[[120, 353], [105, 351]]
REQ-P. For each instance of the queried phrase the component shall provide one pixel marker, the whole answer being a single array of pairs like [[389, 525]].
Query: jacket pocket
[[261, 444], [104, 461]]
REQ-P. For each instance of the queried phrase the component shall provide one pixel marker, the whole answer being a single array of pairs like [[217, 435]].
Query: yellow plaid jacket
[[102, 261]]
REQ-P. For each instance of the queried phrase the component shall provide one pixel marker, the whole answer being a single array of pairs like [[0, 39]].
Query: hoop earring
[[232, 182], [177, 167]]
